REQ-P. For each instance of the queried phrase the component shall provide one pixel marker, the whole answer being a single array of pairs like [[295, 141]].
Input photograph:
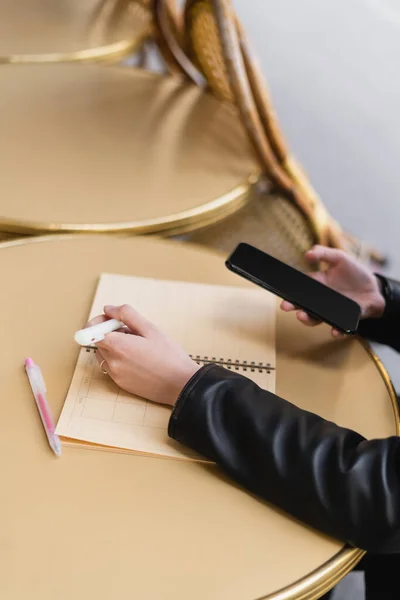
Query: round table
[[106, 525], [116, 149], [70, 30]]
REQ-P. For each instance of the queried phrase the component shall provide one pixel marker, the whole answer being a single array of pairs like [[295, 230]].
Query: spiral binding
[[232, 365]]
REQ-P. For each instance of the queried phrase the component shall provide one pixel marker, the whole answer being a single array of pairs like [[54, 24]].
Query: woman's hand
[[348, 277], [141, 359]]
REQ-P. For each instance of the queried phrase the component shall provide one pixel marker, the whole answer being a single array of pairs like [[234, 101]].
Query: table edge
[[98, 51], [183, 221]]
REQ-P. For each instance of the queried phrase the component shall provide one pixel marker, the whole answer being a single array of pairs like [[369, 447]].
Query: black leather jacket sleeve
[[324, 475], [385, 330]]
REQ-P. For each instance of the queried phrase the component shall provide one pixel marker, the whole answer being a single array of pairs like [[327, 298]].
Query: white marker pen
[[95, 333]]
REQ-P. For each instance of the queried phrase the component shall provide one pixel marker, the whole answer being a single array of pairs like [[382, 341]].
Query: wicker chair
[[292, 214], [169, 37]]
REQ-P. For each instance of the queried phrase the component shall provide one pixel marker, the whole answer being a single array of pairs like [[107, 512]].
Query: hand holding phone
[[348, 276], [298, 290]]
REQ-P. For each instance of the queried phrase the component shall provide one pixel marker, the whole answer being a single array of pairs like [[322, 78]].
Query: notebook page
[[230, 325]]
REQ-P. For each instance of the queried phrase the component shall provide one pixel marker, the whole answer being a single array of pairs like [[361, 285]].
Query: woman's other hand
[[348, 277]]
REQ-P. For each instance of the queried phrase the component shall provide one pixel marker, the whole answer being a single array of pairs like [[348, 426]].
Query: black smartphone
[[318, 300]]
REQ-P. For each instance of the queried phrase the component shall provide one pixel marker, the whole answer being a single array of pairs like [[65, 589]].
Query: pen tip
[[29, 362]]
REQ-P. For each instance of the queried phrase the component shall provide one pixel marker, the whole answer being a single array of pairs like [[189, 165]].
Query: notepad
[[231, 326]]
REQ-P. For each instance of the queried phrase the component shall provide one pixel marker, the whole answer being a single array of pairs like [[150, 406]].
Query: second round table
[[111, 149]]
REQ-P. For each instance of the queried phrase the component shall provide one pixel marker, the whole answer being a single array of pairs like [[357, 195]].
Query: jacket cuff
[[196, 418], [391, 294], [184, 397], [385, 329]]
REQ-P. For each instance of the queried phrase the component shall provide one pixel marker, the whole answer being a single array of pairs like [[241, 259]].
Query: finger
[[96, 320], [100, 356], [331, 256], [104, 367], [319, 276], [287, 306], [306, 319], [108, 345], [114, 343], [101, 351], [337, 334], [130, 317], [124, 329]]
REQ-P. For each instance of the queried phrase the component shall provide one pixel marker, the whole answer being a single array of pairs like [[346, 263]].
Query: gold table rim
[[99, 51], [315, 584], [114, 50], [217, 207]]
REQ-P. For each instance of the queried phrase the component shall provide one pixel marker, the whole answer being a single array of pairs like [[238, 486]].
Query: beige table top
[[42, 30], [113, 148], [105, 525]]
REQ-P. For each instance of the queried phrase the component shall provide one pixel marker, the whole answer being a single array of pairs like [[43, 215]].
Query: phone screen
[[316, 299]]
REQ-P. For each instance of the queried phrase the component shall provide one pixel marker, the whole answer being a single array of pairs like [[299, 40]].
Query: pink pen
[[39, 392]]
